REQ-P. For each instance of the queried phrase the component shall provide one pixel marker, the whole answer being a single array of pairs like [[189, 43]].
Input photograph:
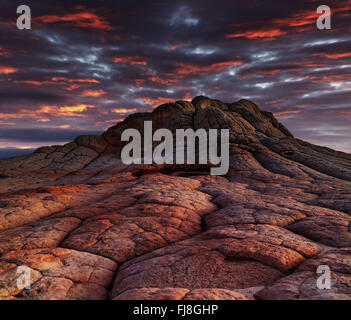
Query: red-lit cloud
[[75, 80], [139, 82], [186, 68], [286, 113], [300, 21], [68, 83], [151, 76], [92, 93], [267, 34], [83, 19], [43, 112], [333, 55], [122, 110], [154, 102], [130, 60], [7, 70]]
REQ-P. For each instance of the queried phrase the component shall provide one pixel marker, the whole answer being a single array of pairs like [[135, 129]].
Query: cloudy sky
[[85, 65]]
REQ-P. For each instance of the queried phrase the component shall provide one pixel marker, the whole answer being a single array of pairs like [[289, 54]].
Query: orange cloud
[[7, 70], [308, 17], [75, 80], [130, 60], [333, 55], [109, 121], [184, 68], [267, 34], [43, 120], [161, 81], [286, 114], [139, 82], [56, 80], [344, 10], [334, 78], [77, 108], [78, 19], [298, 19], [121, 110], [270, 72], [150, 75], [69, 84], [302, 106], [33, 82], [301, 21], [92, 93], [272, 102], [44, 111], [187, 97], [156, 101]]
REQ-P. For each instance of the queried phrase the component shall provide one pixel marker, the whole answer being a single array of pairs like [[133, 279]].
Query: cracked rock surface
[[86, 226]]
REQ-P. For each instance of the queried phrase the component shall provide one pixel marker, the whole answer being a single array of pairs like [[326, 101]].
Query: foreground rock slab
[[86, 226]]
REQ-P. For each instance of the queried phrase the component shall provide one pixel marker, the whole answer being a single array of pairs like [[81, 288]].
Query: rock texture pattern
[[87, 226]]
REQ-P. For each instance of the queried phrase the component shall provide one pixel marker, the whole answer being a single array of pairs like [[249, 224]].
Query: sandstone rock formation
[[89, 227]]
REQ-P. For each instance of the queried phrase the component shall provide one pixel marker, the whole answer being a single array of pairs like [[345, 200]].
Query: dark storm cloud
[[89, 63], [26, 96]]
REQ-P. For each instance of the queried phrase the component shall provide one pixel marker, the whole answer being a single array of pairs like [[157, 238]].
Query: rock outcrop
[[87, 226]]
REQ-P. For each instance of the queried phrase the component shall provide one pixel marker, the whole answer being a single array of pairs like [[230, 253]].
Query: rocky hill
[[90, 227]]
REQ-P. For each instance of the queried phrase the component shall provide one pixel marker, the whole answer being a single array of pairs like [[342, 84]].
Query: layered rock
[[89, 227]]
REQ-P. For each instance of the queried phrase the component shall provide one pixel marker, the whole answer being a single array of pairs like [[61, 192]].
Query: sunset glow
[[83, 67]]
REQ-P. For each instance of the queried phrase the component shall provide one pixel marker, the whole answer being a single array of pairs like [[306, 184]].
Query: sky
[[85, 65]]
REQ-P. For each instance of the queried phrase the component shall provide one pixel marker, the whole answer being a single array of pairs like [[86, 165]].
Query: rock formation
[[90, 227]]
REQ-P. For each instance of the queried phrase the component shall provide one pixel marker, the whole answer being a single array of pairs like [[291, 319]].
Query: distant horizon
[[13, 152]]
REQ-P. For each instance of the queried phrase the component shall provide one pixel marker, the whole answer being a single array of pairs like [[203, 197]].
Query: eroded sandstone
[[89, 227]]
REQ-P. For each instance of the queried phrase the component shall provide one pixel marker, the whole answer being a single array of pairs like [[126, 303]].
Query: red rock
[[71, 213]]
